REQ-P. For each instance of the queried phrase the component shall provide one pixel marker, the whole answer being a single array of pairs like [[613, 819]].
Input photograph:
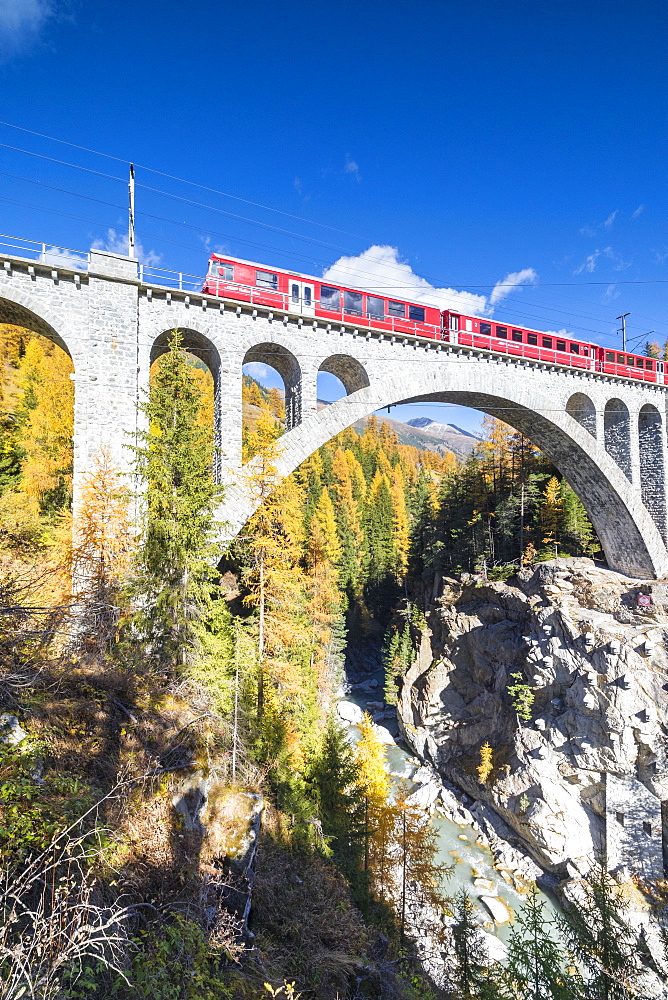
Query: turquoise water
[[470, 859]]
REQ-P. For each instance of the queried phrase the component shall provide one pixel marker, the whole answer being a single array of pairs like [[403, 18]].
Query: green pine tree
[[575, 528], [335, 776], [471, 975], [176, 555], [537, 967], [602, 942]]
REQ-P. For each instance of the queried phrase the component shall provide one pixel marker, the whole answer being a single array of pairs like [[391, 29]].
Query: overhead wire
[[442, 283], [393, 287]]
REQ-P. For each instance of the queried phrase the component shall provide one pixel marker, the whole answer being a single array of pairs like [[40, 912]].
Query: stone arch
[[617, 434], [19, 315], [195, 343], [582, 409], [349, 370], [652, 479], [199, 345], [286, 364], [630, 538]]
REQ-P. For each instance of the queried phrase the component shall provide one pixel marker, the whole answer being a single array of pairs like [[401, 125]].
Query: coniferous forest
[[144, 672]]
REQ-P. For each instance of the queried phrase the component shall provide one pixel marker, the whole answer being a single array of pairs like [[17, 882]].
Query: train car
[[553, 348], [244, 281], [630, 365]]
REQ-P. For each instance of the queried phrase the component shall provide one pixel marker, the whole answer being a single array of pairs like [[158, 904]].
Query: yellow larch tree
[[48, 415], [102, 536], [551, 511], [356, 476], [373, 780], [324, 603], [274, 578], [401, 522]]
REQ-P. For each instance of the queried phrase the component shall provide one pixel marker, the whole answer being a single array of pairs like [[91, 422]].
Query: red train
[[244, 281]]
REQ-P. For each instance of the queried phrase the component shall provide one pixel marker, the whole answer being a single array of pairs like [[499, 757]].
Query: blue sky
[[470, 141]]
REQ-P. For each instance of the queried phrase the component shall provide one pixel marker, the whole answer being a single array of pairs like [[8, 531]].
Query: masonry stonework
[[606, 434]]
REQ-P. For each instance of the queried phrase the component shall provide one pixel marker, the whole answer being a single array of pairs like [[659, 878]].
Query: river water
[[457, 844]]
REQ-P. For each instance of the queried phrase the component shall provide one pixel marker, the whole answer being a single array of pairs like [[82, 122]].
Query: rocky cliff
[[587, 775]]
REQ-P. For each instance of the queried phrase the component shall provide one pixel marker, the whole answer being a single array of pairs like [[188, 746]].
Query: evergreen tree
[[472, 980], [599, 937], [537, 967], [399, 656], [575, 527], [336, 777], [176, 554], [380, 552]]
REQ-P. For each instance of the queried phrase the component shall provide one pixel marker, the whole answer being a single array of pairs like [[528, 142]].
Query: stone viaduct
[[606, 434]]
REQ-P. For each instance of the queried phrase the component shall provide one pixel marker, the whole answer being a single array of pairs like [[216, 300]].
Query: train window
[[517, 335], [220, 270], [352, 302], [486, 329], [621, 360], [416, 313], [454, 321], [375, 307], [609, 356], [532, 339], [330, 298], [575, 348], [547, 341], [561, 345], [307, 295], [638, 362], [266, 280], [502, 332], [295, 292], [649, 364], [396, 309]]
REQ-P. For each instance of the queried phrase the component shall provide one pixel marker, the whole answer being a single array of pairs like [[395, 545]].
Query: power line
[[445, 283], [183, 180]]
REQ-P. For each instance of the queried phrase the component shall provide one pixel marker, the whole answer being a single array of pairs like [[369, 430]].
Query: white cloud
[[118, 243], [587, 231], [21, 22], [589, 263], [511, 281], [58, 257], [610, 294], [639, 211], [610, 221], [379, 270], [353, 169], [256, 369]]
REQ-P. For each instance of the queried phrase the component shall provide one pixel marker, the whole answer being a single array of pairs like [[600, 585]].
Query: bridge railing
[[171, 279], [45, 253]]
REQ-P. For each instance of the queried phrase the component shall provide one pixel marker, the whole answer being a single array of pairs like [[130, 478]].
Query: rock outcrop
[[585, 777], [600, 684]]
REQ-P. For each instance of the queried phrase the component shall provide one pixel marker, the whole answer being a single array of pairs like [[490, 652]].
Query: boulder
[[11, 733], [498, 909], [349, 712]]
